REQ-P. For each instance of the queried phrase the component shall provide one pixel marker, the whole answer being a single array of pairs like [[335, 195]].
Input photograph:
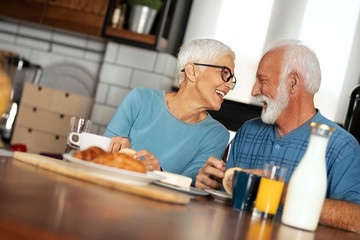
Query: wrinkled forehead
[[274, 54], [272, 59]]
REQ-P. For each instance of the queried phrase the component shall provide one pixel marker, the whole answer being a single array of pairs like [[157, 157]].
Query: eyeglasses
[[226, 74]]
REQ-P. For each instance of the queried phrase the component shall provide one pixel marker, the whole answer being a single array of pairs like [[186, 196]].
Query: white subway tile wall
[[9, 26], [102, 93], [145, 79], [34, 43], [116, 68], [167, 83], [116, 95], [91, 67], [12, 47], [101, 114], [111, 52], [95, 45], [69, 39], [34, 32], [47, 58], [7, 37], [68, 51], [164, 66], [136, 57], [93, 56], [115, 75]]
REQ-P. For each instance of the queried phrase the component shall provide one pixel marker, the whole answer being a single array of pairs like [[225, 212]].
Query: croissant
[[89, 154], [121, 160]]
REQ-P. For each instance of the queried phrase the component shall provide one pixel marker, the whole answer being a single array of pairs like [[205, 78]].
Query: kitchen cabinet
[[167, 31], [94, 17], [27, 10], [84, 16]]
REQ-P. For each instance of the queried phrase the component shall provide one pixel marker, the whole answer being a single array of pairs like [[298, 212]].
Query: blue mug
[[245, 186]]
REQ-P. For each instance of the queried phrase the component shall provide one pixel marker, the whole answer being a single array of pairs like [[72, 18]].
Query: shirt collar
[[301, 129]]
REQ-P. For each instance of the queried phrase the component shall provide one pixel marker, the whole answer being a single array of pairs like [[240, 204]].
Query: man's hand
[[118, 143], [211, 174], [150, 161]]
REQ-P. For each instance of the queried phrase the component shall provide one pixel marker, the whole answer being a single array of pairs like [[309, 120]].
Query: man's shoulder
[[255, 127], [255, 123], [340, 135]]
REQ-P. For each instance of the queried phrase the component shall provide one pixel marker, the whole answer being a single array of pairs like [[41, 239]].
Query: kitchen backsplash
[[112, 69]]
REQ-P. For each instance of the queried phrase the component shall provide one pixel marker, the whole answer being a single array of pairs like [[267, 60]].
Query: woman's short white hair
[[299, 57], [204, 51]]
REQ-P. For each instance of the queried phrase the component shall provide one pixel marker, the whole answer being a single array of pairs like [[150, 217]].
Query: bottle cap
[[322, 126]]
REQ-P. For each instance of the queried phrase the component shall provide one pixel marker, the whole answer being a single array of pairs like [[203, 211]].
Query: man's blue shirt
[[257, 143]]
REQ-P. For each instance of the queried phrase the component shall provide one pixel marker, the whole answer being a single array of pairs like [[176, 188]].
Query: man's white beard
[[274, 106]]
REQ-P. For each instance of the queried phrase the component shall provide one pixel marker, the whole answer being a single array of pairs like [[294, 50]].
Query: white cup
[[77, 125], [85, 140]]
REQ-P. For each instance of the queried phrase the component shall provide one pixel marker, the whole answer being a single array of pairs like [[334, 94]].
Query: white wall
[[234, 23], [330, 27], [332, 35]]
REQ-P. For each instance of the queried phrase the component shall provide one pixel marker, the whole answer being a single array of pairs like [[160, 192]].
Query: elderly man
[[287, 78]]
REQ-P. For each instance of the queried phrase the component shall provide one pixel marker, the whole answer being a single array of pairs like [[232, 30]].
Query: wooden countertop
[[39, 204]]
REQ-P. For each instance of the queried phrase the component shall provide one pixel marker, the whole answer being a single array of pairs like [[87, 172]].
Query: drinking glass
[[270, 190], [77, 125]]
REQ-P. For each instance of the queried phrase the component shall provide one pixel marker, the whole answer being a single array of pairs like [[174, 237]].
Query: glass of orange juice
[[270, 190]]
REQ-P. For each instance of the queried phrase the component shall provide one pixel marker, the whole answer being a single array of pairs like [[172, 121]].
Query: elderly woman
[[172, 131]]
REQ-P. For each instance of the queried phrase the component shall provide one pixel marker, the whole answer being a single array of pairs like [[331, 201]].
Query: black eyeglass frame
[[222, 75]]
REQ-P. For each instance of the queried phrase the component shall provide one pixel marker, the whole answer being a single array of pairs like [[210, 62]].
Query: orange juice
[[259, 229], [268, 196], [5, 90]]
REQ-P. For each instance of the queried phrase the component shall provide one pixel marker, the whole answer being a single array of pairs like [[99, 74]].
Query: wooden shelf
[[167, 32], [84, 16], [129, 35]]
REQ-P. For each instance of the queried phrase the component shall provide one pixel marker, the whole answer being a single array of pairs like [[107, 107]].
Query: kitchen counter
[[38, 204]]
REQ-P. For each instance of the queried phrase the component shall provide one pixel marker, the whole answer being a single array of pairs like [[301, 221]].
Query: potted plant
[[154, 4], [142, 14]]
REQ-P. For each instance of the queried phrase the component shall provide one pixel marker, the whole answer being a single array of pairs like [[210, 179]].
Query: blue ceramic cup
[[245, 186]]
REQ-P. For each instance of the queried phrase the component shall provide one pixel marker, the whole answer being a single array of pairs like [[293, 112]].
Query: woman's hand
[[150, 161], [118, 143]]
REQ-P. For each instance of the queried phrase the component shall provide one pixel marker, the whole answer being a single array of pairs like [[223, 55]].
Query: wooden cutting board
[[65, 168]]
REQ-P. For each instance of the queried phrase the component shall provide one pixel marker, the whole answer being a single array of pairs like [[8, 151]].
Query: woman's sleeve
[[124, 116], [215, 145]]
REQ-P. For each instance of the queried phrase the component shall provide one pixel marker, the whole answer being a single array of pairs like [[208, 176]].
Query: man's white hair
[[301, 58]]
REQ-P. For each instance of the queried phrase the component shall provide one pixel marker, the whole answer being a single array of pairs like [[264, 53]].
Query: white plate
[[114, 174], [69, 77], [192, 191], [219, 195]]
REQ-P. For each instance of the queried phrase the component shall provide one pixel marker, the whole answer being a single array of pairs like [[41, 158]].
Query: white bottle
[[307, 187]]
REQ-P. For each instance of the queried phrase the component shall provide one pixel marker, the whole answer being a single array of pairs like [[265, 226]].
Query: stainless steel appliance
[[19, 70]]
